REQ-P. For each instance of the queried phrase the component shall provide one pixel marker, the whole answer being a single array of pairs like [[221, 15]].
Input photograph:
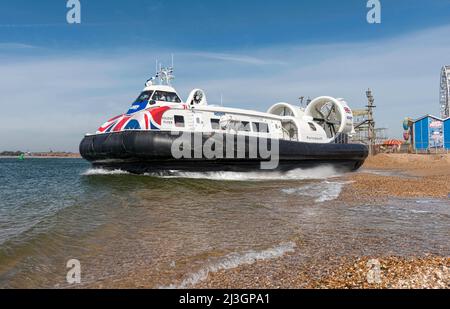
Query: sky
[[59, 81]]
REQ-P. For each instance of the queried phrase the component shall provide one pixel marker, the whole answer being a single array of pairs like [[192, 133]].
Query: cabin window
[[260, 127], [165, 96], [215, 124], [243, 126], [179, 121], [312, 126]]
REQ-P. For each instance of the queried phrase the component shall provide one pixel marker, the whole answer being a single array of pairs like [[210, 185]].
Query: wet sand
[[382, 177], [401, 175]]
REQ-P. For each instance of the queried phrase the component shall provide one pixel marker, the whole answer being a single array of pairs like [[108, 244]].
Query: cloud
[[12, 46], [46, 25], [51, 100], [235, 58], [66, 24]]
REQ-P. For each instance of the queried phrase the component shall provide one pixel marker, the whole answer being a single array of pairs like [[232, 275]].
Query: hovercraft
[[162, 133]]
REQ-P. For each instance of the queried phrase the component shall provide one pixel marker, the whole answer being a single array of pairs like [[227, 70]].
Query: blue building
[[428, 133], [447, 133]]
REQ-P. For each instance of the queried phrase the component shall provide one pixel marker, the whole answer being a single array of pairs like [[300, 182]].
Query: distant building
[[428, 133], [431, 132], [447, 133]]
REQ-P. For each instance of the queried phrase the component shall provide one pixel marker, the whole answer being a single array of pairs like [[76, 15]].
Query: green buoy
[[21, 157]]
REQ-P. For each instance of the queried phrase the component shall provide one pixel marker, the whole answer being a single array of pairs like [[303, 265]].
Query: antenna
[[301, 100], [163, 74], [221, 100]]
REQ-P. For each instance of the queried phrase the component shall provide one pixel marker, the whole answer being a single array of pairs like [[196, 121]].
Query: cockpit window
[[165, 96], [141, 102], [144, 96]]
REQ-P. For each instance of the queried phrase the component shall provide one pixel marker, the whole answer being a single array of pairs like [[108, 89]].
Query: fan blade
[[320, 112], [331, 110]]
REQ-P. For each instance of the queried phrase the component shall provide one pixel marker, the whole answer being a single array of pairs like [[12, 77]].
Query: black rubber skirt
[[149, 151]]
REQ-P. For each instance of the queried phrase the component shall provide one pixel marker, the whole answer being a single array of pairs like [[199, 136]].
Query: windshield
[[144, 96], [141, 102]]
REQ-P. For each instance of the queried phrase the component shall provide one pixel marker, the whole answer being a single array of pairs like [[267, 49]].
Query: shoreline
[[349, 272], [43, 157]]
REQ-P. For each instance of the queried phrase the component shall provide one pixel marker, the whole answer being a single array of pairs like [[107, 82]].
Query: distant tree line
[[11, 153]]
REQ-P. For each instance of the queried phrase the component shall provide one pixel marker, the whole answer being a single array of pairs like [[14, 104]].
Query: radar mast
[[164, 75]]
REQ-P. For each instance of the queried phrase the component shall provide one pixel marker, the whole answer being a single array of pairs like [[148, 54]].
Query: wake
[[320, 172]]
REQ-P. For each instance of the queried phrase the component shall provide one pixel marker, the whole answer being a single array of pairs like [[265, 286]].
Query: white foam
[[424, 201], [234, 260], [296, 174], [321, 172], [101, 171], [414, 211], [322, 192]]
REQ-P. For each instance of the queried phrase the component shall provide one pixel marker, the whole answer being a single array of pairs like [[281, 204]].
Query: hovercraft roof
[[160, 88]]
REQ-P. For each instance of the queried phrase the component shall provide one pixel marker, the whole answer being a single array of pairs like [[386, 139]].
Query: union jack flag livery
[[150, 119]]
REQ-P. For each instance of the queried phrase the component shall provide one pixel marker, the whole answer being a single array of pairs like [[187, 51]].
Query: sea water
[[172, 231]]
